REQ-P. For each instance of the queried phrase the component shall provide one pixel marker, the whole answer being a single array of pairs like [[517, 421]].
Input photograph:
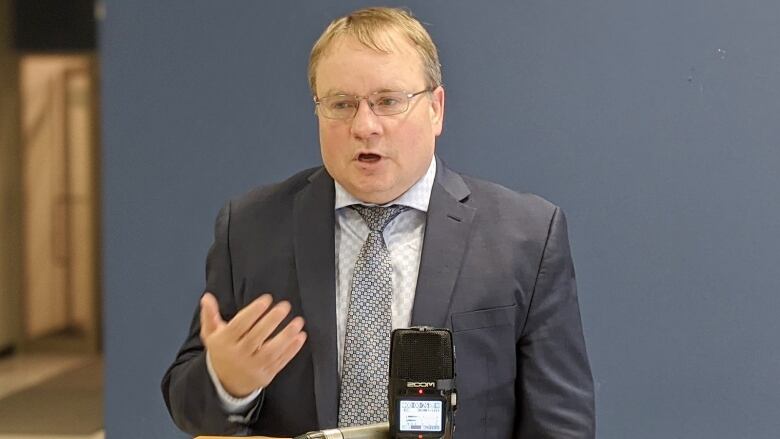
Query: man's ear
[[437, 109]]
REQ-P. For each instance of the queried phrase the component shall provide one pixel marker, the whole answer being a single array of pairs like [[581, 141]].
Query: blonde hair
[[370, 27]]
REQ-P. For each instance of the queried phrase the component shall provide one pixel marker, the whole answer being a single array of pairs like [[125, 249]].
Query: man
[[442, 250]]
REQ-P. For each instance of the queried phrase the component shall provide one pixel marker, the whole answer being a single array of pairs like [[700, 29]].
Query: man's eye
[[342, 104], [387, 101]]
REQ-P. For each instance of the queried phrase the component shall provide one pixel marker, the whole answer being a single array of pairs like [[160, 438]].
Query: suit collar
[[451, 182]]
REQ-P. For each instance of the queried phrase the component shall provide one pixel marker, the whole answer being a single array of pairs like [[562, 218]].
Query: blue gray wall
[[654, 124]]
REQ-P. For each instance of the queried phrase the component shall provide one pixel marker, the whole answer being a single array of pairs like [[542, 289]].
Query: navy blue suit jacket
[[496, 269]]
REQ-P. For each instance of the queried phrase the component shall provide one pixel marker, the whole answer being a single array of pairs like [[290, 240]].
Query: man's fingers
[[266, 326], [210, 320], [288, 352], [245, 319], [275, 347]]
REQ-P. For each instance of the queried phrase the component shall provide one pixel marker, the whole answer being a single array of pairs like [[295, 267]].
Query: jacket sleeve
[[189, 393], [554, 386]]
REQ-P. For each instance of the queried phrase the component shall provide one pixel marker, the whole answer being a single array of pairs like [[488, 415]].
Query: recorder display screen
[[420, 415]]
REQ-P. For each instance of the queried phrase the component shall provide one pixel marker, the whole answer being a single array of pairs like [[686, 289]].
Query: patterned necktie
[[363, 398]]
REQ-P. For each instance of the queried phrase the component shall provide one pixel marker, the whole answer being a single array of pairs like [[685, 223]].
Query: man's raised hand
[[243, 354]]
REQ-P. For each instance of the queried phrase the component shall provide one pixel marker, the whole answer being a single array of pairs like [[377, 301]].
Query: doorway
[[60, 301]]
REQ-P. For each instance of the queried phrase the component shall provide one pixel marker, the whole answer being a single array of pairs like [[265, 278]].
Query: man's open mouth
[[369, 158]]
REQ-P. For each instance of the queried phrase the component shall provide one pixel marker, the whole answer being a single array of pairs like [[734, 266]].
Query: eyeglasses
[[382, 103]]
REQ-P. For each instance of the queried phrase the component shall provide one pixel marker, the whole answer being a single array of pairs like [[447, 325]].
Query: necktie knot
[[377, 217]]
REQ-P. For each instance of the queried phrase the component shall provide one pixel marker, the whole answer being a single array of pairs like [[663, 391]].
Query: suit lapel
[[314, 218], [446, 235]]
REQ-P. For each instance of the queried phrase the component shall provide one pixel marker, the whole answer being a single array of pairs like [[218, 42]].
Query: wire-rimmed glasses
[[382, 103]]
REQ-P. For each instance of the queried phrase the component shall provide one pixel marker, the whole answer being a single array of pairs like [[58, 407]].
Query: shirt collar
[[417, 197]]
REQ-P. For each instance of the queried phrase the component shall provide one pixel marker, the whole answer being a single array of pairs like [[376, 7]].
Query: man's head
[[376, 153]]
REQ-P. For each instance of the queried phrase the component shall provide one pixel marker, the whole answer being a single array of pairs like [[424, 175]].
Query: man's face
[[377, 158]]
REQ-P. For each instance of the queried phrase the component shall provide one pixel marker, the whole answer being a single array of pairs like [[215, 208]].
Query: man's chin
[[375, 197], [375, 194], [380, 188]]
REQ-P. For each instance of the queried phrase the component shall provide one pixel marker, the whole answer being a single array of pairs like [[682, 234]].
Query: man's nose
[[365, 123]]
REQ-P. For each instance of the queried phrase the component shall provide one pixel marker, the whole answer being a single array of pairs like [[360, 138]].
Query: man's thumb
[[210, 320]]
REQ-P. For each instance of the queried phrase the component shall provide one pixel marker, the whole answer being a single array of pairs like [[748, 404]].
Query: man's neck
[[416, 197]]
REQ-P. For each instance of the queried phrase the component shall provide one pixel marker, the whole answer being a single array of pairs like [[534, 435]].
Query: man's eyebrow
[[338, 92], [335, 92]]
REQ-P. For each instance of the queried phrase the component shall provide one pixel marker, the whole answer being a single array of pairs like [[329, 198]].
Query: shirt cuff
[[230, 403]]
